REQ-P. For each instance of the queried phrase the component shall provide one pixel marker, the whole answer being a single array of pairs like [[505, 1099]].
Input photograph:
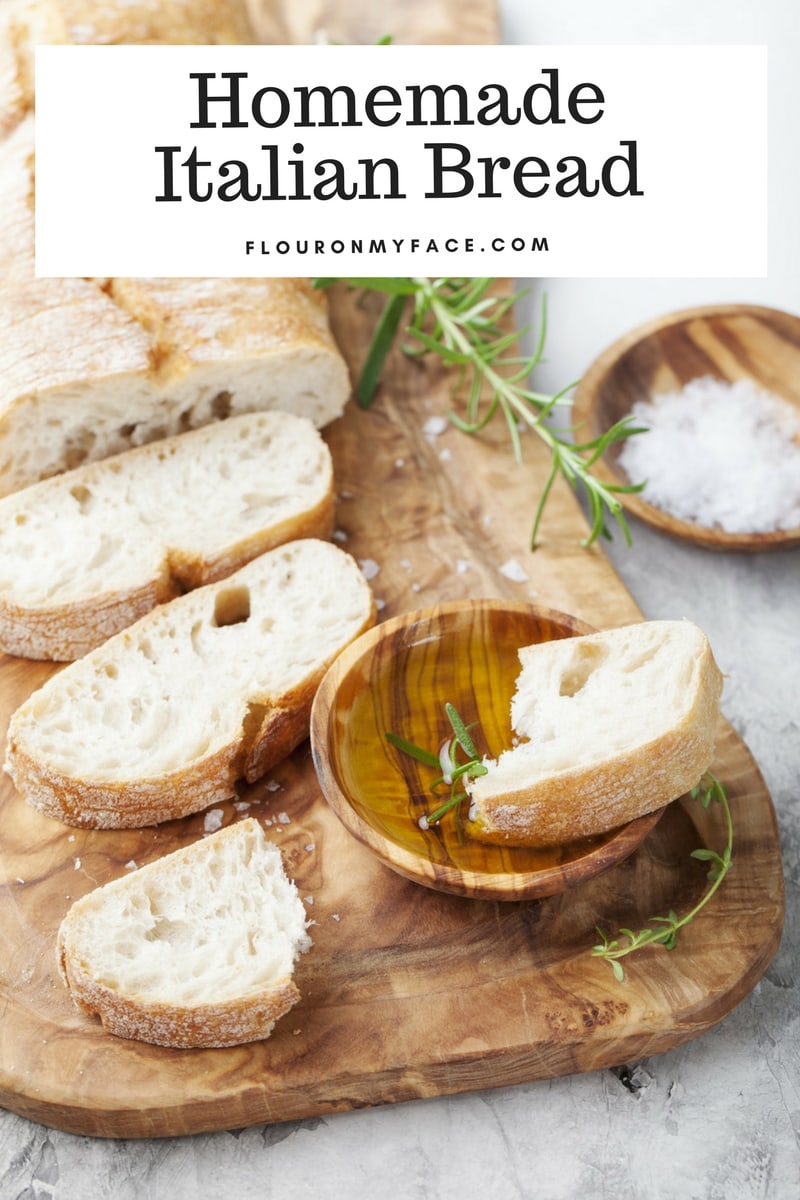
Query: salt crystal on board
[[434, 427], [724, 455], [369, 568], [213, 820], [514, 570]]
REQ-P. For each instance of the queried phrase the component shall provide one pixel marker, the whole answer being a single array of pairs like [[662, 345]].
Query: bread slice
[[85, 374], [164, 718], [197, 949], [614, 725], [84, 554]]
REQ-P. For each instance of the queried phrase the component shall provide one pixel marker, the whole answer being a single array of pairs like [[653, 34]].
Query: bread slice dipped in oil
[[610, 726]]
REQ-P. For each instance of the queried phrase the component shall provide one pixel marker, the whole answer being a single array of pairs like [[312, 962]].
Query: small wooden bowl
[[397, 678], [729, 342]]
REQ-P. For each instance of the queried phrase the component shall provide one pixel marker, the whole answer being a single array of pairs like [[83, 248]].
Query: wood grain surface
[[407, 992]]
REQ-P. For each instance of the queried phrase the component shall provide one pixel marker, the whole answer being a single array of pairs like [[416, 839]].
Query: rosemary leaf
[[471, 767], [381, 344], [417, 752], [459, 321], [461, 732], [707, 791]]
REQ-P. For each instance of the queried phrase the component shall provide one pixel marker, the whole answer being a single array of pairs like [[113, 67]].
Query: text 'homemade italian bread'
[[613, 725], [215, 686], [84, 554], [195, 950]]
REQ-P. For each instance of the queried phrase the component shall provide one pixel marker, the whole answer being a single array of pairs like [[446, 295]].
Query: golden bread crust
[[583, 802]]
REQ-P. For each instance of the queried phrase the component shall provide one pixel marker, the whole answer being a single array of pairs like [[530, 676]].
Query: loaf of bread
[[85, 374], [612, 725], [16, 204], [90, 368], [216, 686], [84, 554], [154, 22], [197, 949], [25, 24]]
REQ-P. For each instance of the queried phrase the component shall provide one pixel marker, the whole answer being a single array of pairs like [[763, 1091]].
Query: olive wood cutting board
[[407, 992]]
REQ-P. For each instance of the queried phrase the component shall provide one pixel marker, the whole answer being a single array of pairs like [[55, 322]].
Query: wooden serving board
[[407, 992]]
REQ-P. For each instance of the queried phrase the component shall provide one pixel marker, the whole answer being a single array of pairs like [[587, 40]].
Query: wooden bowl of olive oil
[[397, 679]]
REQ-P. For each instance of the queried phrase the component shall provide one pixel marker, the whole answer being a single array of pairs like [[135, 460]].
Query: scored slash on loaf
[[197, 949], [165, 717], [613, 725], [84, 554]]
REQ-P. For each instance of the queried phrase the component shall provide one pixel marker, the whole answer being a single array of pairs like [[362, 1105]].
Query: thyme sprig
[[459, 320], [663, 931], [449, 758]]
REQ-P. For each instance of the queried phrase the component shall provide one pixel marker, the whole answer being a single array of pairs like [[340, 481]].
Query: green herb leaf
[[461, 731], [380, 346], [470, 767], [612, 951], [459, 321], [417, 752]]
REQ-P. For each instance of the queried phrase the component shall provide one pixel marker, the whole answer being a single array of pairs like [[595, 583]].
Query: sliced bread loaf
[[197, 949], [89, 371], [613, 725], [84, 554], [165, 717]]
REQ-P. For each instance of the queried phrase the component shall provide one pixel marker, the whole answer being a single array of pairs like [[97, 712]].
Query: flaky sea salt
[[369, 568], [212, 821], [724, 455], [513, 569], [434, 427]]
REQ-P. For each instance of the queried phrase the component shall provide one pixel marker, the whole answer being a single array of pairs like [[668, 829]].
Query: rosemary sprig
[[459, 321], [471, 766], [663, 931]]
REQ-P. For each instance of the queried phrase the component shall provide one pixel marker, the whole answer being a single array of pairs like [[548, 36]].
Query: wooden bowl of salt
[[718, 390], [397, 679]]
